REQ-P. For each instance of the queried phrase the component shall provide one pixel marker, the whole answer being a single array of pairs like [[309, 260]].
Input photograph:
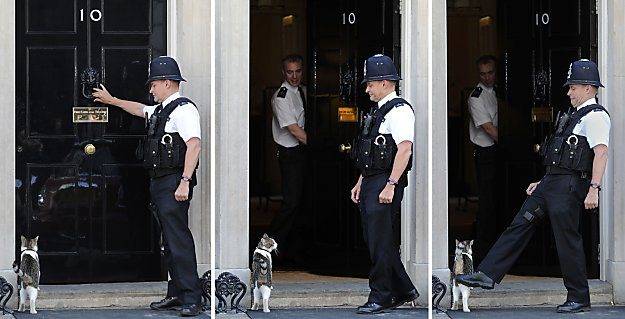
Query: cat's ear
[[23, 240], [471, 242], [36, 239], [457, 242], [265, 236]]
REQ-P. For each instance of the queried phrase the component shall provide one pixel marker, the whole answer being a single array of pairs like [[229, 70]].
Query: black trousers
[[387, 278], [561, 198], [179, 246], [292, 161], [485, 221]]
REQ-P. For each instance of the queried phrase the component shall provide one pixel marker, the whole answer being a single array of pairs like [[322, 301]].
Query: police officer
[[483, 134], [288, 122], [171, 155], [575, 156], [383, 154]]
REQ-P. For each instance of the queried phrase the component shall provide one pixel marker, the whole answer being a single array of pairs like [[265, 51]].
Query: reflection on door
[[79, 185]]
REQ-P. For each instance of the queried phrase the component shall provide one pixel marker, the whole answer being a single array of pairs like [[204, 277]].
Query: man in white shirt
[[288, 123], [575, 157], [171, 154], [483, 134], [383, 154]]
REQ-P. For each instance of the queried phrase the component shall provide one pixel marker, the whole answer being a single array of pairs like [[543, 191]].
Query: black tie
[[302, 95]]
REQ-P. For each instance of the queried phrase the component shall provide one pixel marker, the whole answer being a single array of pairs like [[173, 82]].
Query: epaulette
[[282, 92], [476, 92]]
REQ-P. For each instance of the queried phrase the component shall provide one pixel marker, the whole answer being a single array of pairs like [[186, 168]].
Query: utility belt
[[295, 148], [156, 173], [556, 170]]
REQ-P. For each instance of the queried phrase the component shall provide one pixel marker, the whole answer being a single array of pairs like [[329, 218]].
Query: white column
[[612, 67], [231, 193], [7, 158], [189, 43], [440, 196], [415, 88]]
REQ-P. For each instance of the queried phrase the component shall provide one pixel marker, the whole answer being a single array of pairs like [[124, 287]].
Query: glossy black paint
[[90, 211], [540, 38], [337, 51]]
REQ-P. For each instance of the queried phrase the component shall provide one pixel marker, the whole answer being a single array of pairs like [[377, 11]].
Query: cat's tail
[[16, 269]]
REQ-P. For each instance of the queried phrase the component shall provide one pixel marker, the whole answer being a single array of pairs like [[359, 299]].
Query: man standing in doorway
[[483, 134], [288, 105], [575, 157], [383, 154], [171, 154]]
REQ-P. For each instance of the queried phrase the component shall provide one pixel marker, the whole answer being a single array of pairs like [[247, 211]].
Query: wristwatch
[[391, 181], [186, 178], [596, 186]]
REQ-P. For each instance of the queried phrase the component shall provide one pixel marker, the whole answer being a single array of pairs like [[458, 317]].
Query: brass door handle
[[89, 149], [345, 148]]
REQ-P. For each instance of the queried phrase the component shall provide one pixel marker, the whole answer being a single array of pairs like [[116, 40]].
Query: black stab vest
[[566, 150], [374, 153], [164, 153]]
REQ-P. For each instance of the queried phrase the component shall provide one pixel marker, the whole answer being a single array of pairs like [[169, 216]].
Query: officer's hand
[[182, 192], [386, 196], [592, 199], [531, 188], [102, 95], [356, 193]]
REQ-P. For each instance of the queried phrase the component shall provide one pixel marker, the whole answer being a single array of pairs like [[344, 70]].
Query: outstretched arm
[[102, 95]]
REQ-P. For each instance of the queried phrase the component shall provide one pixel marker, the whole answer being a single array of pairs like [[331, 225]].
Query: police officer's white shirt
[[594, 125], [287, 110], [483, 109], [184, 120], [399, 121]]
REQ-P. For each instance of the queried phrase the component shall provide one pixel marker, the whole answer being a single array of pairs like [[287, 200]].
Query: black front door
[[80, 187], [540, 39], [342, 35]]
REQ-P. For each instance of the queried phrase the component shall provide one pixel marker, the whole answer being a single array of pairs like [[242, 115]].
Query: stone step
[[113, 295], [516, 291], [302, 290]]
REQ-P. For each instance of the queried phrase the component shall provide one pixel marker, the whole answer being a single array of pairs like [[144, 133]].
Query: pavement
[[102, 314], [337, 313], [316, 313], [599, 312]]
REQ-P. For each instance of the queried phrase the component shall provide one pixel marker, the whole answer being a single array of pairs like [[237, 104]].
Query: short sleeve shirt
[[288, 108], [399, 121], [595, 126], [483, 109], [184, 120]]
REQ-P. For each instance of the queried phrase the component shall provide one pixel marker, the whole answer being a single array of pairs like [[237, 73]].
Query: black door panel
[[342, 35], [80, 186], [535, 68]]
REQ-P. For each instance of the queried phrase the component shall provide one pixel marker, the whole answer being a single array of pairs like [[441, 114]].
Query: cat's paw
[[255, 307], [33, 311], [466, 310], [454, 306], [266, 310], [21, 308]]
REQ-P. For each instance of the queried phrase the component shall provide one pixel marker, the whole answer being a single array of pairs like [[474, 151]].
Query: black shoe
[[371, 308], [477, 279], [572, 306], [400, 300], [190, 310], [168, 303]]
